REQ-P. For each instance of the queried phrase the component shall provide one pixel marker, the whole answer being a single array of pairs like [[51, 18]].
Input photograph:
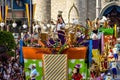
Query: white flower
[[72, 61], [40, 64]]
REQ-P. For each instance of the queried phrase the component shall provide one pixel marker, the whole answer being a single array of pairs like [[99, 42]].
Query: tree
[[7, 42]]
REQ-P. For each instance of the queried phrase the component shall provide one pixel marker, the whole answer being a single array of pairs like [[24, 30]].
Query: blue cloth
[[114, 71], [61, 36], [96, 44], [21, 53], [118, 46], [33, 72], [90, 51], [116, 56]]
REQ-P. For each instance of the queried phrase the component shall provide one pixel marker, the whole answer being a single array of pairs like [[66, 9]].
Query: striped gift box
[[55, 67]]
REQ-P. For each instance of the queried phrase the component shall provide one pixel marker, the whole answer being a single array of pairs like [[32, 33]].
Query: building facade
[[48, 9]]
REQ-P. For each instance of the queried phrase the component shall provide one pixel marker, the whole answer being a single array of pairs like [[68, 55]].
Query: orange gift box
[[36, 53]]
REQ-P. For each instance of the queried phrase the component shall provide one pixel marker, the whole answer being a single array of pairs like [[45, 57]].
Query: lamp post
[[2, 24], [14, 25]]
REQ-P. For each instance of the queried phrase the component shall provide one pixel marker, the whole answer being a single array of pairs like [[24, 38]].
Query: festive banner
[[6, 12], [96, 55], [28, 9], [21, 52], [102, 43], [96, 44], [107, 31], [3, 13], [27, 13], [90, 50]]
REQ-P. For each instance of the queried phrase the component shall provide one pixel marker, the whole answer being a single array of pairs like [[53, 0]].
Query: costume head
[[76, 68], [33, 66]]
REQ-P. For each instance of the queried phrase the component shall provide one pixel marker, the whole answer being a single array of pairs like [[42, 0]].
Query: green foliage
[[11, 53], [7, 39]]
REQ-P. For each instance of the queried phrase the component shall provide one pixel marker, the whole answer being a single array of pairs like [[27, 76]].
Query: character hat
[[34, 65], [77, 66]]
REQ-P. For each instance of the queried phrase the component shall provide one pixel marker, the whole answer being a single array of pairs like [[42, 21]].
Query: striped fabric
[[55, 67]]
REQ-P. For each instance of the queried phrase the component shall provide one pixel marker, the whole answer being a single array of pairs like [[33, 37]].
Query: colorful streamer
[[102, 42], [115, 30]]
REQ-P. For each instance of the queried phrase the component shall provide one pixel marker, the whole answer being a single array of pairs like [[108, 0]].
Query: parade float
[[58, 62], [57, 58]]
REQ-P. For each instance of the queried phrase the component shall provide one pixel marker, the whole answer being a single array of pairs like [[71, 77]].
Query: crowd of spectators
[[12, 69]]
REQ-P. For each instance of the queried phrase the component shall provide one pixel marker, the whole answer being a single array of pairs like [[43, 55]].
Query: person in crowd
[[114, 66], [26, 36], [108, 77], [11, 70], [117, 45], [115, 52]]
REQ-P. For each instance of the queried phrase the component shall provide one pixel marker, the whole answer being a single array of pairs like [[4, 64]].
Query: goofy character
[[75, 74]]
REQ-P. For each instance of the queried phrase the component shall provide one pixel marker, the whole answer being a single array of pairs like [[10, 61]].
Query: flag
[[3, 13], [0, 14], [33, 7], [21, 52], [115, 30], [102, 42], [27, 13], [6, 12], [90, 51], [96, 55]]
